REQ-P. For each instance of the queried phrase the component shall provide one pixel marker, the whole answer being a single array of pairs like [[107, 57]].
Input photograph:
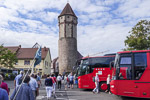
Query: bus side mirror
[[111, 65]]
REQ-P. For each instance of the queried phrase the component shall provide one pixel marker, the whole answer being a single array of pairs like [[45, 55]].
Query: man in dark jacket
[[49, 86]]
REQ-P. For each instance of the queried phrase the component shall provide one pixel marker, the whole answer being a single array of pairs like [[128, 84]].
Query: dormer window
[[68, 16]]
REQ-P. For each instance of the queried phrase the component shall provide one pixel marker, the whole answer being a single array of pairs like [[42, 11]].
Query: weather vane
[[67, 1]]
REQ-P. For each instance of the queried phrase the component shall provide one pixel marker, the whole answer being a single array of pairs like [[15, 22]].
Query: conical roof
[[67, 11]]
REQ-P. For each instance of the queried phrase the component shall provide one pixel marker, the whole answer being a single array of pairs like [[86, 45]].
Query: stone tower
[[67, 43]]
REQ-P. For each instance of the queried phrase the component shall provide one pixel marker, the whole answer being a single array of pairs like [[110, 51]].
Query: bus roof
[[134, 51], [98, 56]]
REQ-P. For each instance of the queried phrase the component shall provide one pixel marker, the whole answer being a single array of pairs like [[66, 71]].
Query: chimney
[[45, 48], [19, 46]]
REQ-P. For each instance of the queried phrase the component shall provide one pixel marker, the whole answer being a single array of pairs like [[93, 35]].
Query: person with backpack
[[59, 78], [71, 80], [18, 79], [96, 89], [39, 80]]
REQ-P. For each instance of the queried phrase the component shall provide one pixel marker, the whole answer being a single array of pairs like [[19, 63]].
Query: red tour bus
[[131, 74], [88, 68]]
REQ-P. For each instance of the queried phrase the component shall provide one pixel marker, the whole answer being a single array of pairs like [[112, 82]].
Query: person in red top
[[4, 85], [54, 84]]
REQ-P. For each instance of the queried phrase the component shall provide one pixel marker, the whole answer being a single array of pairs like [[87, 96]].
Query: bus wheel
[[103, 86]]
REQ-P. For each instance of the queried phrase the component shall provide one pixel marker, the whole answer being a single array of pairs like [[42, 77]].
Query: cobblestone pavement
[[74, 94]]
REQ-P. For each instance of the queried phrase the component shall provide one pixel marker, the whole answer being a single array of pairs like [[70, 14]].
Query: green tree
[[7, 58], [139, 38]]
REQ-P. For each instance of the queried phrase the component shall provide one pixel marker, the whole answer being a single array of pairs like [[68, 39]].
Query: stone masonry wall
[[67, 54]]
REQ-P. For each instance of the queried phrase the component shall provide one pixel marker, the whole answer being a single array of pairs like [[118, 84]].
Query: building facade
[[25, 58], [67, 42]]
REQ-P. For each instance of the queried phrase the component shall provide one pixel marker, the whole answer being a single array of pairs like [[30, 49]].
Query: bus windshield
[[87, 65], [115, 66], [129, 66]]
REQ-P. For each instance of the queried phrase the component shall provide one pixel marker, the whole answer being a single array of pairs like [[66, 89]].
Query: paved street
[[75, 94]]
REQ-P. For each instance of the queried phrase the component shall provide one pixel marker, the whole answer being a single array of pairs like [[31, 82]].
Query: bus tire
[[103, 86]]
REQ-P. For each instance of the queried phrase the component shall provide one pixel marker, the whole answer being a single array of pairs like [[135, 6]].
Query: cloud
[[27, 40], [98, 39], [134, 8], [102, 24]]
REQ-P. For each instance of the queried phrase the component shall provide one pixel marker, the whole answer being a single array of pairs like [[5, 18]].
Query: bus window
[[140, 64], [101, 62], [85, 61], [125, 68], [87, 70]]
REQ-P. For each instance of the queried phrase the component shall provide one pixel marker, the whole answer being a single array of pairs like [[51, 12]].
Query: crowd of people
[[26, 87]]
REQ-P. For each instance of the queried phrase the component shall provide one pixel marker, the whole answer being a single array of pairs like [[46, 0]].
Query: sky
[[102, 24]]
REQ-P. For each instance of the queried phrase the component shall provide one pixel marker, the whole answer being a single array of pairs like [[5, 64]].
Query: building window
[[27, 62], [46, 63], [68, 16]]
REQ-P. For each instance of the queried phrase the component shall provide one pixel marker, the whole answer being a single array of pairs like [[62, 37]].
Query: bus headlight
[[112, 86]]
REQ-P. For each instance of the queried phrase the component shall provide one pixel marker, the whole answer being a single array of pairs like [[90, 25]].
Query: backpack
[[20, 80], [67, 79], [93, 79]]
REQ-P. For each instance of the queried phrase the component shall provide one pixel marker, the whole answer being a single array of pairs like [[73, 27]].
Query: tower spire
[[67, 11]]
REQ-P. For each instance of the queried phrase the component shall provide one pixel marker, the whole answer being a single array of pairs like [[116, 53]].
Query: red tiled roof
[[13, 49], [27, 53], [67, 11]]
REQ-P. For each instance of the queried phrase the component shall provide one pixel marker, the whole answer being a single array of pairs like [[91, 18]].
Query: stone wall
[[67, 54], [67, 43]]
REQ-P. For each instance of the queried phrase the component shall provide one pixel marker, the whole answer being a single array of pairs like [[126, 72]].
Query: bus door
[[124, 76], [141, 75], [85, 77]]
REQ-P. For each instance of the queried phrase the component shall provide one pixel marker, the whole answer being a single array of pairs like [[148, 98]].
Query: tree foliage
[[7, 58], [139, 38]]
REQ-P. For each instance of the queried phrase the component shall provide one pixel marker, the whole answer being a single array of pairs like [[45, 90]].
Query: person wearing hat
[[18, 79], [3, 93], [96, 89], [108, 84]]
